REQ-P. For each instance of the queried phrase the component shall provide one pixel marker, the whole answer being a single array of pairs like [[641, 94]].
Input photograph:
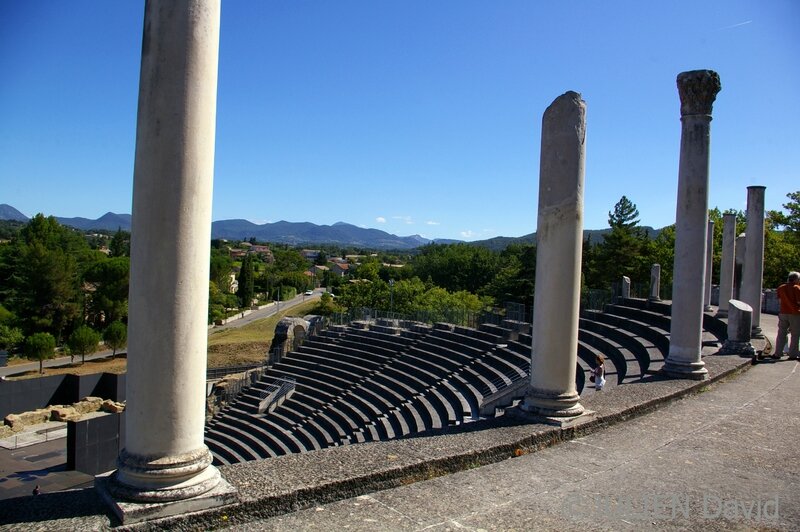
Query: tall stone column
[[697, 90], [655, 282], [727, 263], [753, 272], [559, 233], [709, 266], [164, 458]]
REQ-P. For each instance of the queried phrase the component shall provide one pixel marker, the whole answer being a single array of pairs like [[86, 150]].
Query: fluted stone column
[[709, 266], [753, 273], [552, 390], [697, 90], [727, 263], [165, 458], [655, 282]]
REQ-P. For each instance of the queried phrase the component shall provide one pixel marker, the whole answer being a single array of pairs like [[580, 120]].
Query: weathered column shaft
[[165, 457], [709, 266], [697, 90], [559, 233], [727, 263], [753, 272], [655, 282], [625, 290]]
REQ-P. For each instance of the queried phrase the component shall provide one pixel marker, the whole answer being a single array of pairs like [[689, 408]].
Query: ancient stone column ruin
[[753, 271], [655, 282], [552, 390], [727, 263], [709, 266], [740, 316], [697, 90], [165, 458], [625, 291]]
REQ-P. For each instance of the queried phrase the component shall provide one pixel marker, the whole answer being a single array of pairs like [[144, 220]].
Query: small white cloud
[[467, 234], [431, 222], [405, 219], [380, 220]]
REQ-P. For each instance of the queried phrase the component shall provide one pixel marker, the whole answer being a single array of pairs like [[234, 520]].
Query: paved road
[[255, 315]]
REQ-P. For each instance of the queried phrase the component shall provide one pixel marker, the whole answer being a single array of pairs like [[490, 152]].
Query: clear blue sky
[[415, 117]]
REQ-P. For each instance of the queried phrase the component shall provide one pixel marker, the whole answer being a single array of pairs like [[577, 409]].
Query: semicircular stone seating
[[391, 379]]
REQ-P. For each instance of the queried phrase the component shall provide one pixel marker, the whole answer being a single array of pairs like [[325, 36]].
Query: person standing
[[598, 376], [789, 317]]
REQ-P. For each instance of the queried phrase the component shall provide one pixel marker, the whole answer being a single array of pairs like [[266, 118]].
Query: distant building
[[310, 254], [319, 270], [340, 269], [264, 252]]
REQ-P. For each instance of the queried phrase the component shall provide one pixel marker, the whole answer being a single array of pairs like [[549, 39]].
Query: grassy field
[[230, 347], [248, 344]]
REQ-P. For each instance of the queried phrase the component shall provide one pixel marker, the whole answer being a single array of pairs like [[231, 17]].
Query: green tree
[[246, 282], [106, 283], [625, 214], [40, 346], [115, 336], [39, 275], [220, 269], [625, 250], [83, 341], [325, 306], [120, 244], [791, 219], [11, 338], [515, 278], [457, 267]]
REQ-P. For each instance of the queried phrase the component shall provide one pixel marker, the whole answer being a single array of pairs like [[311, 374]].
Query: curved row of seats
[[361, 383], [386, 380]]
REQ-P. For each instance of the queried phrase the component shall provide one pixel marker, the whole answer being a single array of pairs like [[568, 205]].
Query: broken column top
[[562, 160], [698, 89]]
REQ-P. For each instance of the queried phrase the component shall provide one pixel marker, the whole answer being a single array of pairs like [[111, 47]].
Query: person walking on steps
[[789, 317], [598, 376]]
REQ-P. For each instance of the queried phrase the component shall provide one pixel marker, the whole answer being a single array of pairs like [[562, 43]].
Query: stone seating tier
[[612, 351], [642, 349]]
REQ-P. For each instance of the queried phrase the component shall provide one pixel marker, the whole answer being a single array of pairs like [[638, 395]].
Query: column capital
[[697, 90]]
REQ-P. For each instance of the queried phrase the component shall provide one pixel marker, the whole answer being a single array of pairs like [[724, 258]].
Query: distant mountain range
[[293, 233], [302, 233]]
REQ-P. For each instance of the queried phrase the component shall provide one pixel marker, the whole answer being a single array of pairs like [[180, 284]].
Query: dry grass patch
[[117, 364]]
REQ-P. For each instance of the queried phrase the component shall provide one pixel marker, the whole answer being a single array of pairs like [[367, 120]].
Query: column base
[[721, 313], [518, 413], [708, 308], [163, 478], [732, 347], [695, 371], [550, 404], [654, 298], [756, 332], [222, 494]]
